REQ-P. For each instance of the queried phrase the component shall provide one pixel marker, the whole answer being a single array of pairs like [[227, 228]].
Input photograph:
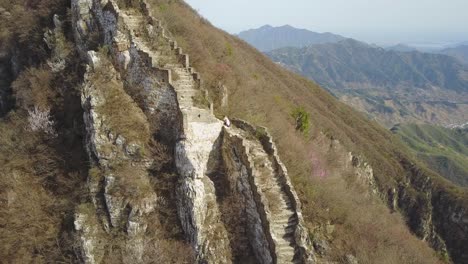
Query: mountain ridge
[[383, 82], [460, 52], [268, 38]]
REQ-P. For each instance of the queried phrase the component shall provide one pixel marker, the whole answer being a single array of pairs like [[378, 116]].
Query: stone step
[[184, 82], [183, 87], [284, 221], [186, 90], [282, 224], [285, 230], [175, 66], [182, 72], [183, 77], [186, 95], [285, 214], [286, 256], [186, 98], [285, 251], [284, 248], [283, 206]]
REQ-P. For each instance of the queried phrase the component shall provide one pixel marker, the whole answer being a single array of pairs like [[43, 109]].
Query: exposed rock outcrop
[[119, 185], [433, 215]]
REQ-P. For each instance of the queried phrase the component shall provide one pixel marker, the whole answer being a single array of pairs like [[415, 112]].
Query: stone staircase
[[197, 140], [200, 130], [283, 219], [184, 83]]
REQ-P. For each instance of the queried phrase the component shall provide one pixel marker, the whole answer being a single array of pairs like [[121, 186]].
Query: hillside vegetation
[[444, 150], [45, 173], [266, 94], [42, 174], [390, 85]]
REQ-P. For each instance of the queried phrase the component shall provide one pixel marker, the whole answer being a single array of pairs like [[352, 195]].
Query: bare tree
[[41, 121]]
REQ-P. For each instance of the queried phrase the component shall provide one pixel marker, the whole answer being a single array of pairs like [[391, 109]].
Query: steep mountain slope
[[268, 38], [229, 64], [393, 86], [459, 52], [444, 150], [115, 153]]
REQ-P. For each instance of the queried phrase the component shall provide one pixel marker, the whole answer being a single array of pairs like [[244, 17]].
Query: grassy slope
[[264, 93], [444, 150]]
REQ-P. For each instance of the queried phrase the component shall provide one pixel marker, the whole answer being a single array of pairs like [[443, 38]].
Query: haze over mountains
[[390, 85], [459, 52], [268, 38], [397, 84]]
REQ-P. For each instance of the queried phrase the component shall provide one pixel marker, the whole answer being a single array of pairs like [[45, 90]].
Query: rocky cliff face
[[233, 196], [432, 214]]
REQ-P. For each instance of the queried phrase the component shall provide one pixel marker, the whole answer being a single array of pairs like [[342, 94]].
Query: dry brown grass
[[37, 196], [363, 226], [34, 88]]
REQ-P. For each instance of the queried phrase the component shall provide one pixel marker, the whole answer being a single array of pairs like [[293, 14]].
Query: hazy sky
[[377, 21]]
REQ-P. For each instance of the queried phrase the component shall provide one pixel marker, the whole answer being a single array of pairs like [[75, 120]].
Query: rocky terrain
[[113, 151]]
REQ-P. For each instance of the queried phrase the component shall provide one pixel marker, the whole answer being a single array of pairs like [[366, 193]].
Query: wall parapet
[[301, 235], [259, 198]]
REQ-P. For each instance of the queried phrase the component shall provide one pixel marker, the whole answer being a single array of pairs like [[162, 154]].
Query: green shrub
[[302, 119]]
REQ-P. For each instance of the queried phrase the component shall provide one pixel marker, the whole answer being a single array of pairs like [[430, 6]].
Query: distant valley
[[414, 93], [392, 86], [444, 150]]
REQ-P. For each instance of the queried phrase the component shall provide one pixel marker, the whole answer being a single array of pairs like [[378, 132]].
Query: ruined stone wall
[[241, 173], [301, 235], [151, 87]]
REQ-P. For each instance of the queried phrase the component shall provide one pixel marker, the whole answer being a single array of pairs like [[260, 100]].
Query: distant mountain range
[[459, 52], [391, 85], [268, 38], [402, 48], [397, 84]]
